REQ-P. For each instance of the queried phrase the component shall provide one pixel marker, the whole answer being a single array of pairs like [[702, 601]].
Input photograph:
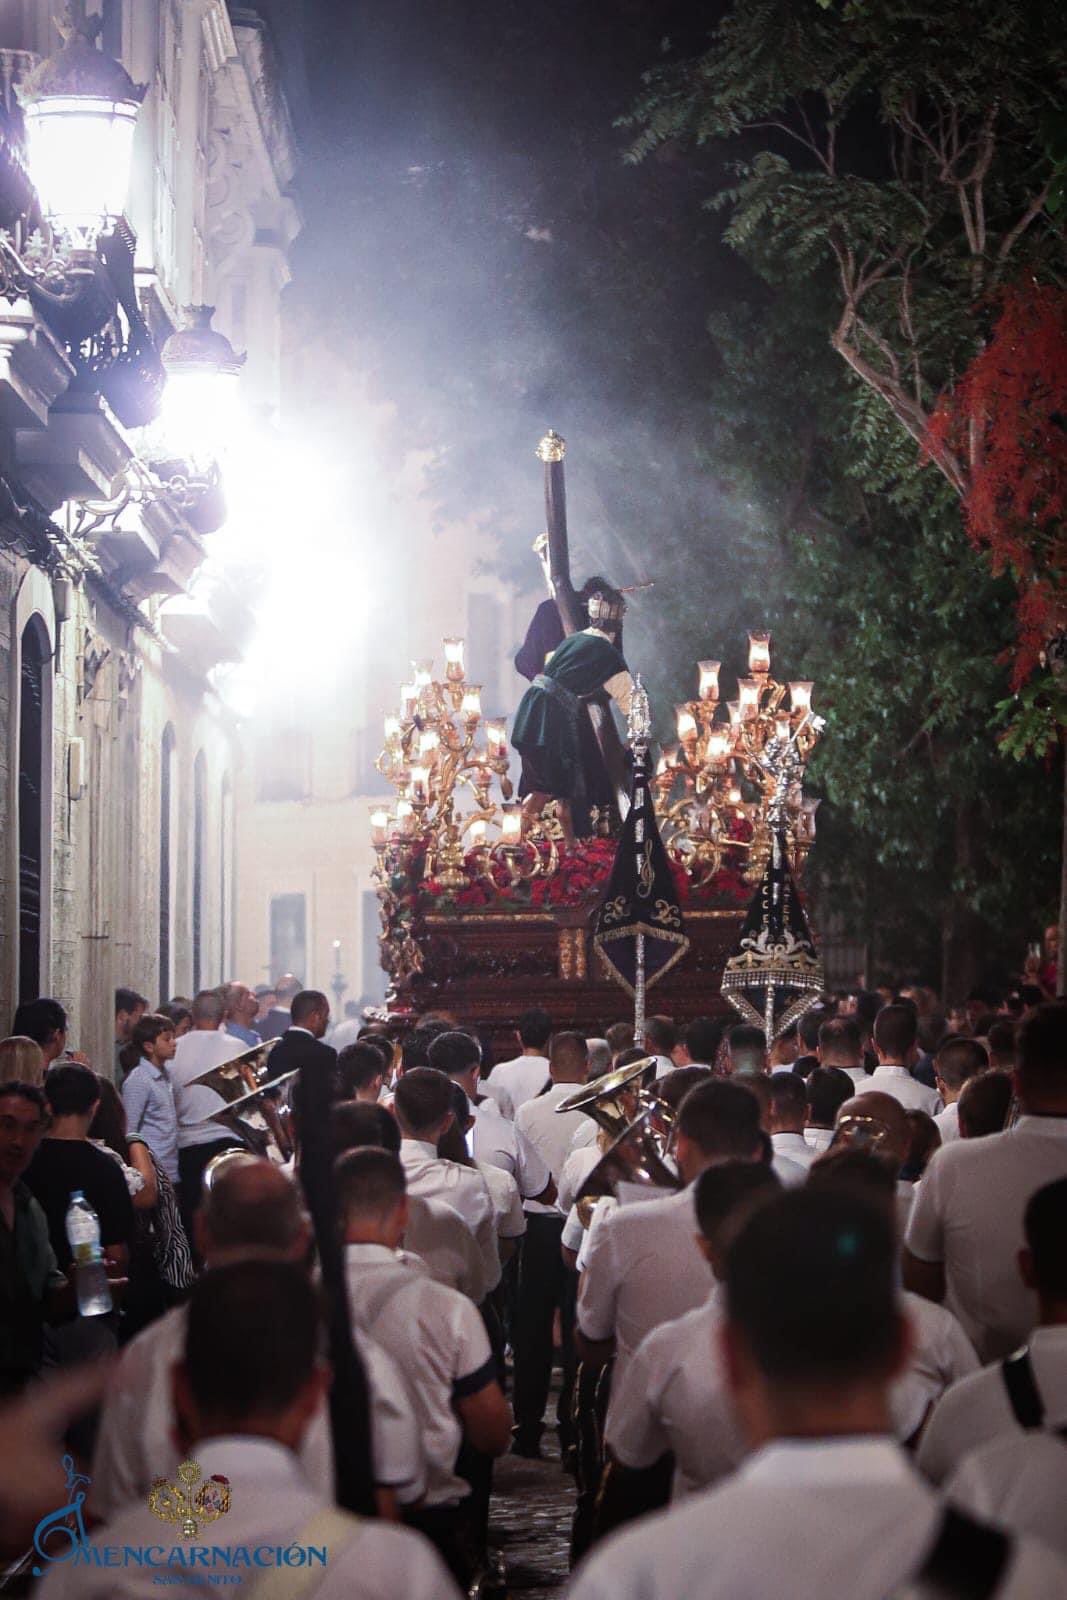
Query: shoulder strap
[[1023, 1393], [328, 1526], [966, 1560]]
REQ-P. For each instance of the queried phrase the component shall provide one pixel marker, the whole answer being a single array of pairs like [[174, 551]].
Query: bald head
[[253, 1210], [891, 1124]]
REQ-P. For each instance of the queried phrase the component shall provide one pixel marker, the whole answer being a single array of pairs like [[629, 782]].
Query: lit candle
[[781, 727], [472, 702], [759, 652], [392, 729], [405, 815], [734, 796], [454, 660], [428, 745], [379, 826], [511, 825], [423, 673], [408, 695], [748, 697], [686, 724], [719, 742], [477, 832], [420, 778], [734, 709], [800, 696], [709, 679], [496, 737]]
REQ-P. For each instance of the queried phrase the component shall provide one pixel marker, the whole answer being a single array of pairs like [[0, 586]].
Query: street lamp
[[202, 394], [80, 108]]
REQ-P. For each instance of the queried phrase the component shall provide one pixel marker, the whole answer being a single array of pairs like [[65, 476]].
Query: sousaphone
[[636, 1157], [614, 1100], [240, 1082]]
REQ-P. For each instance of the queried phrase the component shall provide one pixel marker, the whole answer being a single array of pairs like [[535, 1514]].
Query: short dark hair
[[721, 1117], [355, 1125], [357, 1067], [568, 1050], [534, 1028], [39, 1019], [723, 1192], [25, 1091], [1045, 1225], [703, 1037], [827, 1088], [415, 1049], [71, 1089], [789, 1094], [859, 1170], [1001, 1037], [305, 1003], [983, 1103], [925, 1139], [1041, 1048], [931, 1031], [146, 1030], [455, 1053], [619, 1036], [895, 1029], [129, 1000], [673, 1087], [959, 1059], [842, 1039], [378, 1041], [810, 1024], [745, 1042], [233, 1371], [868, 1005], [368, 1182], [810, 1284], [208, 1006], [175, 1011], [423, 1099], [662, 1034]]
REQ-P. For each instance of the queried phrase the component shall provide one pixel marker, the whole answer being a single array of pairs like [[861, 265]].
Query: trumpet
[[614, 1100], [636, 1157]]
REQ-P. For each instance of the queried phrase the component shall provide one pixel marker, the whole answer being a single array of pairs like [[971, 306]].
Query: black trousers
[[546, 1284]]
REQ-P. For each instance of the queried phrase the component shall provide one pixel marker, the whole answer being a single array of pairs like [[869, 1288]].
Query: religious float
[[488, 907]]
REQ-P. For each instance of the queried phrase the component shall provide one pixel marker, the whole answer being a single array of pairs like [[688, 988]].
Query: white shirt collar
[[417, 1150], [844, 1460], [1049, 1127], [295, 1028], [892, 1069], [246, 1457], [368, 1255], [789, 1139]]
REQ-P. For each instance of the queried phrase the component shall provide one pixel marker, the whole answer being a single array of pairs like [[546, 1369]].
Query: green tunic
[[547, 723]]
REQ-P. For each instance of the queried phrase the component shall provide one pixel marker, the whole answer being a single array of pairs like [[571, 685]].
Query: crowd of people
[[810, 1339]]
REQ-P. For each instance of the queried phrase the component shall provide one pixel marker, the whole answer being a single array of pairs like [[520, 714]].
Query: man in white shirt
[[699, 1043], [512, 1083], [437, 1339], [492, 1138], [546, 1283], [423, 1108], [661, 1040], [436, 1233], [200, 1050], [243, 1404], [840, 1044], [643, 1265], [895, 1032], [966, 1227], [786, 1169], [827, 1090], [253, 1212], [673, 1395], [1028, 1390], [746, 1049], [360, 1072], [956, 1061], [787, 1115], [826, 1502]]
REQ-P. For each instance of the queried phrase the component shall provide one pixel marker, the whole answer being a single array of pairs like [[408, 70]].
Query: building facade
[[119, 761]]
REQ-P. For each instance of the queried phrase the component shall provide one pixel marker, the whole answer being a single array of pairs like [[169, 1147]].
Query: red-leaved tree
[[1007, 418]]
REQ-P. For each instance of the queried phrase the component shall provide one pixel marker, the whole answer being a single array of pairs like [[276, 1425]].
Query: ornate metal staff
[[639, 731]]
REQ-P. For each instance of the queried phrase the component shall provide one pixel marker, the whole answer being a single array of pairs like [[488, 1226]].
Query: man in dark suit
[[273, 1023], [301, 1043]]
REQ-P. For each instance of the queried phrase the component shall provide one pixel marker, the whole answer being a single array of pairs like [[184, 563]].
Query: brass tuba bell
[[239, 1083], [614, 1100], [636, 1157]]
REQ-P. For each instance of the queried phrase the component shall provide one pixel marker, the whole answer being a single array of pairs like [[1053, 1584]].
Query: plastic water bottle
[[90, 1274]]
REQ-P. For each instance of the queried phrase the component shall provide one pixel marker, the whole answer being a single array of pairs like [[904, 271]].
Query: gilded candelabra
[[747, 765]]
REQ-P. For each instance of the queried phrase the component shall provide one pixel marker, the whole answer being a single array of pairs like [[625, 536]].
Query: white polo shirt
[[977, 1409], [437, 1339], [803, 1519], [195, 1053], [1018, 1482], [968, 1215], [673, 1396], [818, 1139], [509, 1217], [896, 1080], [273, 1505], [463, 1188], [134, 1444], [794, 1149], [641, 1268], [439, 1237], [495, 1141], [512, 1083], [585, 1134], [948, 1122], [942, 1355], [550, 1132], [577, 1167]]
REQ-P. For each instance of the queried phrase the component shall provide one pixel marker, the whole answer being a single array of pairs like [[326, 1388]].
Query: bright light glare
[[200, 415], [78, 150]]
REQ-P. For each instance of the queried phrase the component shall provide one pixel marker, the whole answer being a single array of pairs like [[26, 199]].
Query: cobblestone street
[[530, 1522]]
